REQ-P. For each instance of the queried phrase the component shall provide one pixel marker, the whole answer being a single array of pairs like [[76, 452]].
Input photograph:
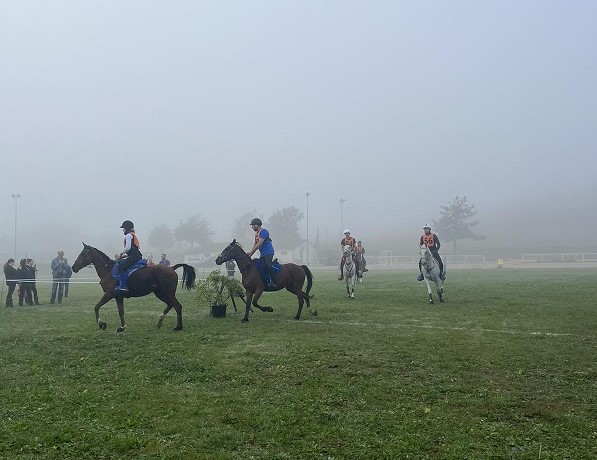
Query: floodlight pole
[[307, 195], [342, 200], [16, 196]]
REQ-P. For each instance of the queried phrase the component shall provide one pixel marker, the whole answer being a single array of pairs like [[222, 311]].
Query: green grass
[[506, 368]]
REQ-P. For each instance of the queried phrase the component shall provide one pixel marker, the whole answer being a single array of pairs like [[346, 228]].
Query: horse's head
[[228, 253], [84, 258], [424, 252], [346, 249]]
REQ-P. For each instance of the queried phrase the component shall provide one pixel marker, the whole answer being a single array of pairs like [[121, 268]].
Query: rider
[[361, 250], [432, 242], [350, 241], [266, 250], [130, 255]]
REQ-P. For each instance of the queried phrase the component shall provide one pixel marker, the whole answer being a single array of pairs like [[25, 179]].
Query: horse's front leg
[[256, 305], [429, 290], [249, 296], [105, 298], [440, 292]]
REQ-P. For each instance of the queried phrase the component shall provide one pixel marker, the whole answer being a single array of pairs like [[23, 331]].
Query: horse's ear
[[84, 245], [233, 241]]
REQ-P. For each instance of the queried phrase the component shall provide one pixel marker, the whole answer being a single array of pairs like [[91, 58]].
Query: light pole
[[342, 200], [16, 196], [307, 195]]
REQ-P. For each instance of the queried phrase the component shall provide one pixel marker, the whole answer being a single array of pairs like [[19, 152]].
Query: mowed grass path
[[506, 368]]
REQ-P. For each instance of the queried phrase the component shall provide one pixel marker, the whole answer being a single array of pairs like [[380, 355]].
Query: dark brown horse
[[160, 280], [290, 276]]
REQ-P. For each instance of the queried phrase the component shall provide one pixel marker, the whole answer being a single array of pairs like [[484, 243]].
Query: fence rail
[[561, 257]]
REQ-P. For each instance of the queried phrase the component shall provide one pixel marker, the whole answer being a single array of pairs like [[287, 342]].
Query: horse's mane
[[105, 257]]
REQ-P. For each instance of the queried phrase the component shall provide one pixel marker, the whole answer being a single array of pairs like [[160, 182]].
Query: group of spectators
[[24, 278]]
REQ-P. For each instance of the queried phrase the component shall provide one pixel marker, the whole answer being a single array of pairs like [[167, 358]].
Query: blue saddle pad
[[263, 273], [140, 264]]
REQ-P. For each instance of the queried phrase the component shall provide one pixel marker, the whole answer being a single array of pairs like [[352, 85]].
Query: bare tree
[[456, 221]]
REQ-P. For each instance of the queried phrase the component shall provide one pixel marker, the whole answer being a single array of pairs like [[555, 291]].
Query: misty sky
[[157, 110]]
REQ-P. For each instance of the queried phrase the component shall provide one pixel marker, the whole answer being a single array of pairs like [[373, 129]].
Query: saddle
[[138, 266], [263, 272]]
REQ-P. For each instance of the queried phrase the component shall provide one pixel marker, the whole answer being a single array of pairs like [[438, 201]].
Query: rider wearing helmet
[[348, 241], [432, 242], [130, 255], [360, 249], [266, 250]]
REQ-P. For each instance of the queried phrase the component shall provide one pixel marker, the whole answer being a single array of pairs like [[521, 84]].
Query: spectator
[[25, 275], [69, 273], [230, 266], [33, 271], [11, 275], [150, 261], [164, 261], [59, 271]]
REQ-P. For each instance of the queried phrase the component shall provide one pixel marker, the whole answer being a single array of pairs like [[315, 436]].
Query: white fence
[[561, 257], [449, 258]]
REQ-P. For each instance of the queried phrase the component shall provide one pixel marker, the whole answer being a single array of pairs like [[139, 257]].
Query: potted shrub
[[215, 290]]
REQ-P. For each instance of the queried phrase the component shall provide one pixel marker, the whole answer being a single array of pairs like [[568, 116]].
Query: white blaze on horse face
[[346, 249]]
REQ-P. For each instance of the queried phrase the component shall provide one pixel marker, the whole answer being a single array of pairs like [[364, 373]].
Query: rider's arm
[[437, 243], [256, 246], [127, 244]]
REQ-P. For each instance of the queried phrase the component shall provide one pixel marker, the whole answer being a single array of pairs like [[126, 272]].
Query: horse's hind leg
[[120, 303], [429, 291], [163, 315]]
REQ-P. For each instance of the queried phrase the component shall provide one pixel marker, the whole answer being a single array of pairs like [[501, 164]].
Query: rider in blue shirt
[[266, 250]]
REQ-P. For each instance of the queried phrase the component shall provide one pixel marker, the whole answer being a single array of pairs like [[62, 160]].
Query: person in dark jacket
[[33, 271], [25, 276], [11, 275], [59, 270]]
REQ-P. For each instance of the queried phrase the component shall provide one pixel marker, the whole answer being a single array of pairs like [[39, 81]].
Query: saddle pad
[[142, 263]]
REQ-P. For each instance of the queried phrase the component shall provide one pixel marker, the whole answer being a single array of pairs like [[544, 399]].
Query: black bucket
[[218, 311]]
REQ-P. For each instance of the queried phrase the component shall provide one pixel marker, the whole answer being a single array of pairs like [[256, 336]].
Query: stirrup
[[341, 277], [442, 276], [420, 277]]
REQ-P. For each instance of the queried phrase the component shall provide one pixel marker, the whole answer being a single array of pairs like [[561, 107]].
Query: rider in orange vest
[[360, 249], [130, 255], [432, 242], [350, 241]]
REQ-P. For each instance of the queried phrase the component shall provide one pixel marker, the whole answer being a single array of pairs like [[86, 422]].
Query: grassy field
[[506, 368]]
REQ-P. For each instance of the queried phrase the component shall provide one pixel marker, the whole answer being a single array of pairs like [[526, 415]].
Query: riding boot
[[122, 283], [442, 275]]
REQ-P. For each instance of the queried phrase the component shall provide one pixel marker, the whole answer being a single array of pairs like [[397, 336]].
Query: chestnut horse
[[290, 276], [160, 280]]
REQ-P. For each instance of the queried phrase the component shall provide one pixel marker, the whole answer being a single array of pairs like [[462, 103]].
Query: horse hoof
[[177, 329], [431, 302], [269, 309], [103, 326], [313, 312], [120, 330], [441, 300], [244, 320]]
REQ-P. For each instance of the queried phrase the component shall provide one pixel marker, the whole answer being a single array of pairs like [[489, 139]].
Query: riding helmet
[[256, 221], [346, 231], [426, 226], [127, 225]]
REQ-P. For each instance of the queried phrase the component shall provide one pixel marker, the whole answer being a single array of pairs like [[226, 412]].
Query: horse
[[430, 270], [362, 264], [350, 271], [159, 279], [291, 276]]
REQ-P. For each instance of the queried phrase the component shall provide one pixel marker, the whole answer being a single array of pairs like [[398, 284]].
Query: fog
[[155, 111]]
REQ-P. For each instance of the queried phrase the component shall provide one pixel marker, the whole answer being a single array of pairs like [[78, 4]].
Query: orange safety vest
[[428, 240], [349, 241], [135, 241], [360, 249]]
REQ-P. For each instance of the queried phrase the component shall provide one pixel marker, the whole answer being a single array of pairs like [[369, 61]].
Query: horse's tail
[[188, 275], [309, 276]]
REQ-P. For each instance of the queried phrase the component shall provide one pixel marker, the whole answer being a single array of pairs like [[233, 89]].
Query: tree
[[161, 238], [283, 226], [241, 230], [456, 221], [194, 230]]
